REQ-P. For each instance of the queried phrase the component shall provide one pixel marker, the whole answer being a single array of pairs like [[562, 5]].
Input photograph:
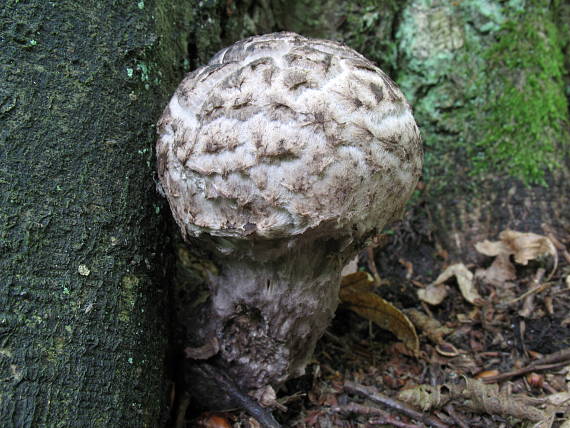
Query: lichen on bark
[[486, 81], [487, 78]]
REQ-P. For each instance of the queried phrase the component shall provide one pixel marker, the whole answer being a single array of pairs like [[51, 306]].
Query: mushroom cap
[[280, 134]]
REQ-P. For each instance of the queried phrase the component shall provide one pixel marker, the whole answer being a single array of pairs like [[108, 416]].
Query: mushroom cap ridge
[[279, 134]]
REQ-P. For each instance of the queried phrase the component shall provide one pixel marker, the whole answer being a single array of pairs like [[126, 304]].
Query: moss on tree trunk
[[486, 81]]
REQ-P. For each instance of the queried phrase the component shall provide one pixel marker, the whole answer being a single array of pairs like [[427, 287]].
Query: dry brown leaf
[[464, 279], [431, 327], [522, 246], [500, 271], [433, 294], [426, 397], [476, 396], [527, 246], [356, 292], [357, 281]]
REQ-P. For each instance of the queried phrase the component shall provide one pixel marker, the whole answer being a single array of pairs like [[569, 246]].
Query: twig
[[523, 370], [375, 396], [555, 357], [552, 361], [382, 416], [181, 413], [241, 399], [458, 419], [537, 288], [372, 265]]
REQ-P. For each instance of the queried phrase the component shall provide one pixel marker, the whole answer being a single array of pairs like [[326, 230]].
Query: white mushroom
[[283, 155]]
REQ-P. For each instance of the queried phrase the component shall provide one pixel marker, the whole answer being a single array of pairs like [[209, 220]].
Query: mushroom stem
[[268, 311]]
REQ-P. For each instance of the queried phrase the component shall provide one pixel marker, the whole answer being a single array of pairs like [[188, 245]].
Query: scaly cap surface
[[280, 134]]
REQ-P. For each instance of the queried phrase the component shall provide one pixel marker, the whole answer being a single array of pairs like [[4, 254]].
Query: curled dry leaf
[[356, 292], [435, 292], [478, 397], [431, 327], [426, 397], [500, 271], [522, 246]]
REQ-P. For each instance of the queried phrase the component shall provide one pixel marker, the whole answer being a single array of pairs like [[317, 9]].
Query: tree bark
[[487, 83], [83, 327]]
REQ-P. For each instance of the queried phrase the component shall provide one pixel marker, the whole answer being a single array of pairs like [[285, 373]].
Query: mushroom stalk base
[[266, 317]]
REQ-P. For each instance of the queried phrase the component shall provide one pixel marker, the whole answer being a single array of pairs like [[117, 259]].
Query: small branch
[[372, 265], [555, 357], [455, 416], [551, 361], [375, 396], [181, 412], [523, 370], [381, 416], [241, 399]]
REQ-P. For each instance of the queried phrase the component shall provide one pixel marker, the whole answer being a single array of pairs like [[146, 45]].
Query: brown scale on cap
[[283, 155]]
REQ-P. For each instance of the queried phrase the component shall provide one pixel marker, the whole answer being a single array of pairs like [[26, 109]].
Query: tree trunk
[[487, 83], [82, 294]]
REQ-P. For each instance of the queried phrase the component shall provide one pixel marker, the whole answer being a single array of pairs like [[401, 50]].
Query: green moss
[[526, 107], [485, 80]]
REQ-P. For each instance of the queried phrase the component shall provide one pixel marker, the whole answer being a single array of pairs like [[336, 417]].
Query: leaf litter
[[453, 351], [479, 346]]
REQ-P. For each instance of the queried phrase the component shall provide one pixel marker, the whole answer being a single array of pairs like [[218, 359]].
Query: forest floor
[[490, 349]]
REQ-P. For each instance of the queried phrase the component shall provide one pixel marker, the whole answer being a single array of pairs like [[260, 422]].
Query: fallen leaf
[[500, 271], [464, 279], [433, 294], [356, 292], [476, 396], [431, 327], [357, 281], [522, 246], [214, 421], [447, 350], [527, 246], [487, 373]]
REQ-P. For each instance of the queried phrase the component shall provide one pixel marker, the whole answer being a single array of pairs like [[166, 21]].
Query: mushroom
[[282, 156]]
